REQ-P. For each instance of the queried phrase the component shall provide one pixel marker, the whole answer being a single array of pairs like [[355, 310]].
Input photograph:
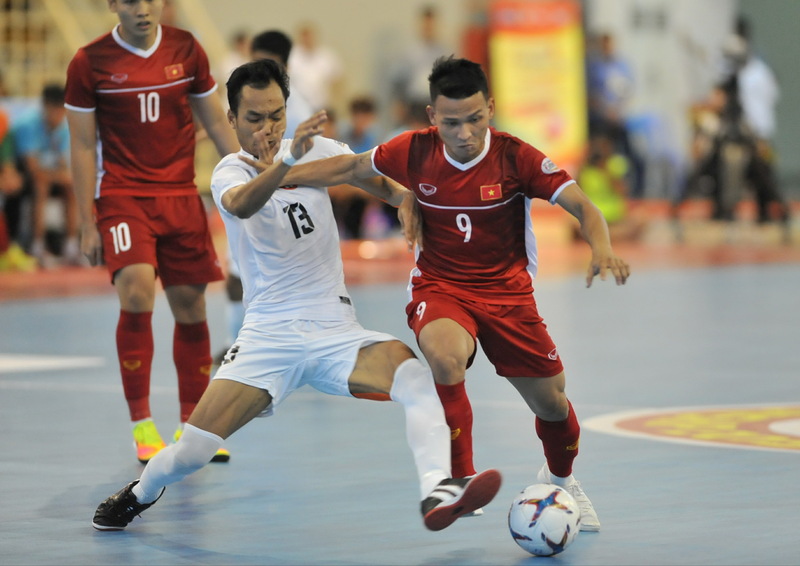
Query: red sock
[[191, 351], [560, 441], [135, 353], [458, 413], [4, 239]]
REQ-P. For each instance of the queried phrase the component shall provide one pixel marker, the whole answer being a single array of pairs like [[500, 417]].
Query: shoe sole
[[590, 528], [106, 528], [221, 458], [478, 493]]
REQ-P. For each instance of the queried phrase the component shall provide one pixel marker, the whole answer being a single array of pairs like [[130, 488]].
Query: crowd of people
[[732, 150]]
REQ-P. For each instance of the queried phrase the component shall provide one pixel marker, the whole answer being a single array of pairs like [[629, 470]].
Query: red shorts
[[169, 233], [513, 337]]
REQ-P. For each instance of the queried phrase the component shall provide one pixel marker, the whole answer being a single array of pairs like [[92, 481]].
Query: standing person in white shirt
[[759, 93], [316, 69], [300, 326], [752, 93]]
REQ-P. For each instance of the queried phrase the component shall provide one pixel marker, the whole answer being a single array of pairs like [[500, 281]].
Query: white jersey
[[287, 254]]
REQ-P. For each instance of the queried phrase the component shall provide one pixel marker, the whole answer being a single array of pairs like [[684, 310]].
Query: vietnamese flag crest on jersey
[[174, 71], [491, 192]]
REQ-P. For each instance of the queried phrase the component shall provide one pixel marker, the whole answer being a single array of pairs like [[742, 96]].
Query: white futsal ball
[[544, 519]]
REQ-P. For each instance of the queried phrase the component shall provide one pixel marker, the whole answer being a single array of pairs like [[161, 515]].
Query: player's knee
[[447, 369], [195, 448], [412, 382], [553, 407]]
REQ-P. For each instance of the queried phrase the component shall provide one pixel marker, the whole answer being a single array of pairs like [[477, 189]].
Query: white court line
[[16, 363], [10, 363], [72, 387]]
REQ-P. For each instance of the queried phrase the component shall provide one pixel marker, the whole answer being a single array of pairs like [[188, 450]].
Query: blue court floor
[[686, 381]]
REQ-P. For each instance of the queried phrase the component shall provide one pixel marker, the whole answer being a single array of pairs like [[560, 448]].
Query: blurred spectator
[[409, 79], [758, 94], [414, 116], [362, 215], [276, 45], [238, 54], [732, 147], [348, 202], [317, 70], [707, 123], [12, 256], [610, 84], [604, 179], [42, 143], [361, 134]]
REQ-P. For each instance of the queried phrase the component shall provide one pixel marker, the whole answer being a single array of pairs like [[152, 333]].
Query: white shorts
[[282, 356]]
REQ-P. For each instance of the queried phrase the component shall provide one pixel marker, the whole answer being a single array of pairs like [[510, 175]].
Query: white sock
[[193, 451], [562, 482], [426, 429]]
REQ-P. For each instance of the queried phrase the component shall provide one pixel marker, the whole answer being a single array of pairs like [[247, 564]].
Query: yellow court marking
[[755, 427]]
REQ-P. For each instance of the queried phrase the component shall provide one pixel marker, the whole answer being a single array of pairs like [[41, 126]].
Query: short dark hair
[[362, 104], [273, 41], [257, 74], [53, 95], [457, 78]]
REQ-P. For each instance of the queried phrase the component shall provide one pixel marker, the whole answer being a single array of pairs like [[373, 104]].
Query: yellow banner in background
[[537, 78]]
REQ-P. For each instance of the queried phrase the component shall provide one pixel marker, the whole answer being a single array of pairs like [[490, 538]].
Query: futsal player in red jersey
[[477, 258], [130, 97]]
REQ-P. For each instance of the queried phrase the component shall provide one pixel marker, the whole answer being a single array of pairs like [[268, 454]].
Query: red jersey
[[141, 102], [479, 241]]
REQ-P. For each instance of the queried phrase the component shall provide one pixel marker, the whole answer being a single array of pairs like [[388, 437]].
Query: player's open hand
[[303, 139], [410, 220], [603, 262], [264, 153], [92, 244]]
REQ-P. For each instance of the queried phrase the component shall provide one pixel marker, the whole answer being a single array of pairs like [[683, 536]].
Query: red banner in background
[[536, 50]]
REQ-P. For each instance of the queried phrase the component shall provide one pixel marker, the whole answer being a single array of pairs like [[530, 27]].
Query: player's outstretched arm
[[247, 199], [595, 230], [338, 170], [392, 192], [411, 221], [208, 110], [83, 157]]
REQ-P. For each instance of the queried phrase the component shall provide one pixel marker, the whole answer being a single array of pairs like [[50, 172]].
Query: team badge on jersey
[[491, 192], [427, 189], [548, 166], [119, 78], [174, 71]]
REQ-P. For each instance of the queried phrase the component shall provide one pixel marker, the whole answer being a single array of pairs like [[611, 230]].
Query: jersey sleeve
[[231, 172], [79, 90], [203, 83], [325, 147], [390, 159], [539, 175]]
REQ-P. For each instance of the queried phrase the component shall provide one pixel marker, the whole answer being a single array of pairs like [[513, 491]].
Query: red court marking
[[756, 427]]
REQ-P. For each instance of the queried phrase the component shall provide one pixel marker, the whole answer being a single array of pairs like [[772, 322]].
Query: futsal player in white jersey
[[300, 326]]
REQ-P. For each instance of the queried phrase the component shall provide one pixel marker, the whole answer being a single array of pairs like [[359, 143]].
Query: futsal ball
[[544, 519]]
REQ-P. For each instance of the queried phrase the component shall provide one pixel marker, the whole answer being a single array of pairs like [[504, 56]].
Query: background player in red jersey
[[132, 93], [473, 279]]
